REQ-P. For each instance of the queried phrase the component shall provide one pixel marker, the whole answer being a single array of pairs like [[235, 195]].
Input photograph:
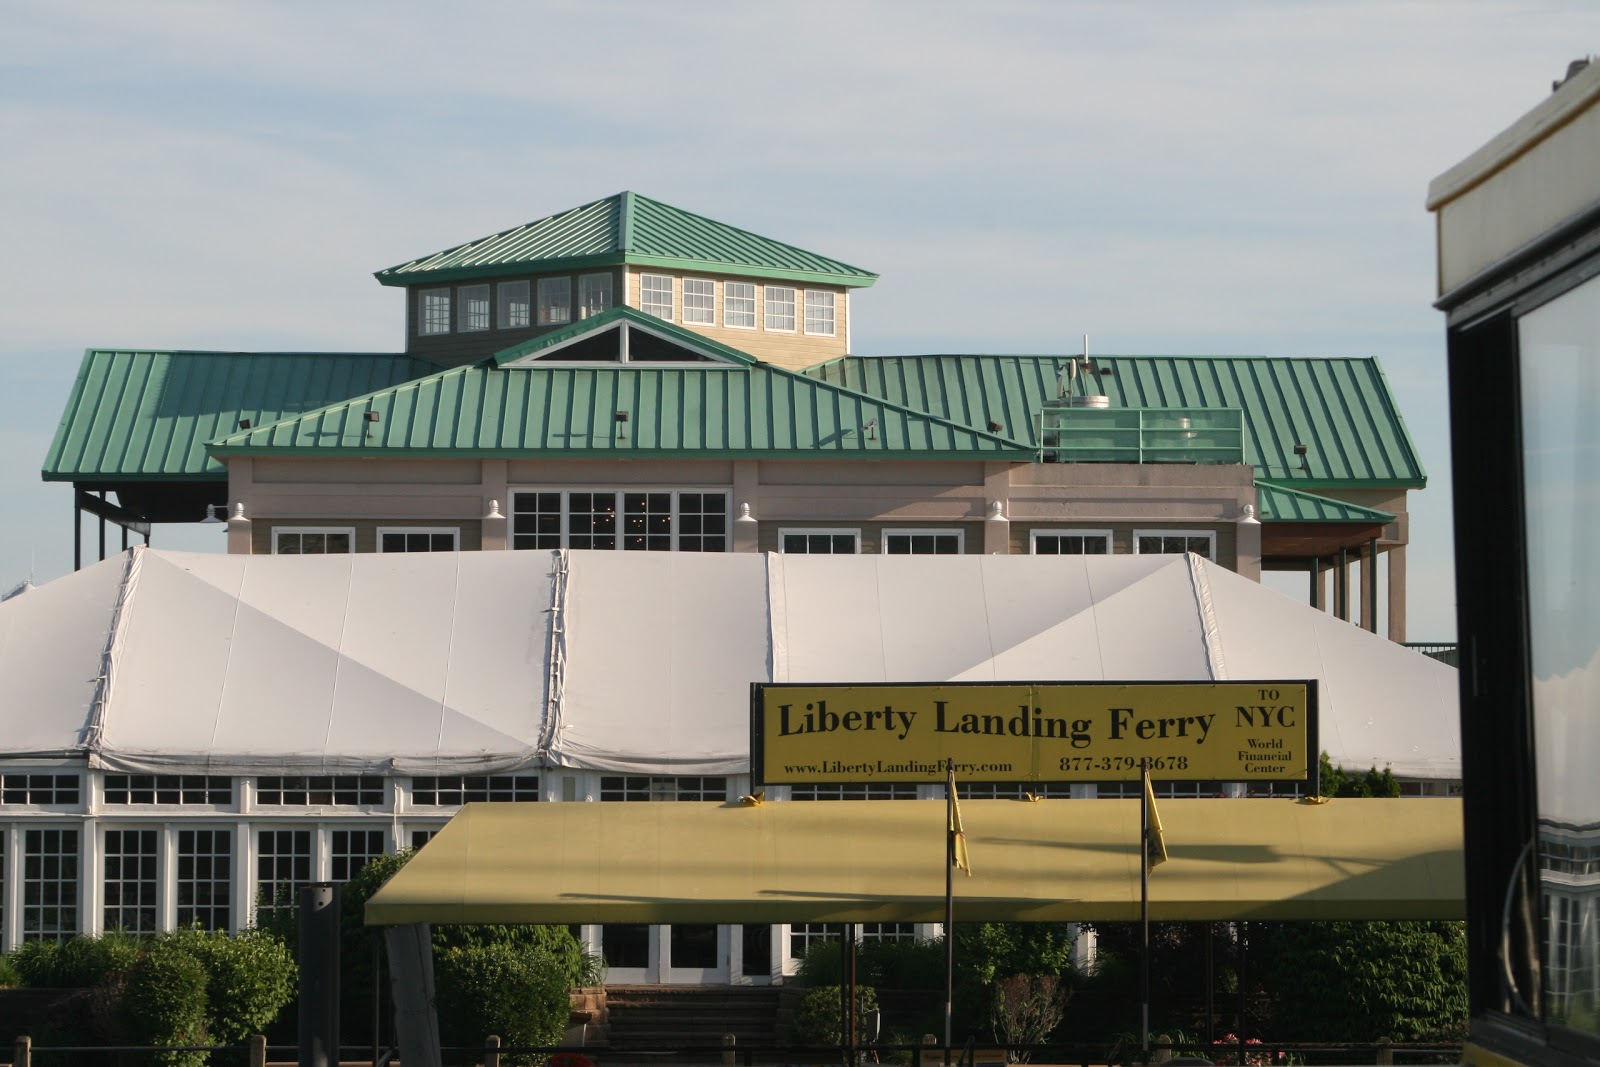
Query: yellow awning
[[883, 861]]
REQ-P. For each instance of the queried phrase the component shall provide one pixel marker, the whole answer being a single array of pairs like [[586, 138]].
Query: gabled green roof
[[625, 229], [1281, 504], [1341, 410], [688, 338], [145, 416], [562, 409]]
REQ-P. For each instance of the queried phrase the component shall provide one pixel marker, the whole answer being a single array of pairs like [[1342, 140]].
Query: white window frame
[[959, 534], [774, 308], [646, 303], [467, 320], [349, 531], [1209, 535], [433, 312], [587, 288], [555, 302], [709, 311], [453, 531], [822, 531], [1033, 539], [830, 307], [514, 305], [745, 300]]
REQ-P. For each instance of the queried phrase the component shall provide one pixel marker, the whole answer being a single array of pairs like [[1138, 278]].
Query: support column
[[746, 505], [1396, 556], [1369, 587], [416, 1025], [493, 533], [1316, 584], [1341, 586], [241, 506], [1247, 549]]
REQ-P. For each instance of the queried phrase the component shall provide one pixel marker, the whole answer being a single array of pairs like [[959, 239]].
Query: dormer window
[[555, 301], [515, 309], [594, 294], [780, 308], [699, 301], [433, 311], [655, 295], [739, 305], [474, 307]]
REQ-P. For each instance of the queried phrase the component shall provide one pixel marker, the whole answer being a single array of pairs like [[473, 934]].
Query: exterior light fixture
[[216, 515], [1249, 515], [744, 514], [997, 512], [493, 514]]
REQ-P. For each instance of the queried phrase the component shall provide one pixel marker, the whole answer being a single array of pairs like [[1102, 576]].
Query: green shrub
[[164, 1003], [817, 1022], [77, 963], [9, 975], [249, 979], [501, 988]]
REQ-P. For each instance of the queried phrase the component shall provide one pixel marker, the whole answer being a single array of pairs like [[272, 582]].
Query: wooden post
[[728, 1042], [22, 1054], [257, 1046], [491, 1051]]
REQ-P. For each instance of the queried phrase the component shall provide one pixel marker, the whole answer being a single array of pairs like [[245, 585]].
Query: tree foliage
[[1354, 981], [818, 1020]]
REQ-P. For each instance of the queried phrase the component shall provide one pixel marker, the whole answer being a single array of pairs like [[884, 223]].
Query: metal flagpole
[[1144, 908], [949, 897]]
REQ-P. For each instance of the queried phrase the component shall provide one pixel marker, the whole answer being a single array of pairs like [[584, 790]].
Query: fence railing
[[1444, 653], [1140, 435]]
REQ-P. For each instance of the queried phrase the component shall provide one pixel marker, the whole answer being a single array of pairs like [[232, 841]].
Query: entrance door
[[696, 953]]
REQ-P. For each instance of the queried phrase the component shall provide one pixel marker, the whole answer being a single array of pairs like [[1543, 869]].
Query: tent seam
[[94, 731], [1208, 617]]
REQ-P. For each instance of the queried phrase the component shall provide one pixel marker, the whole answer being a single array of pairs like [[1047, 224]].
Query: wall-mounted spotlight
[[216, 515]]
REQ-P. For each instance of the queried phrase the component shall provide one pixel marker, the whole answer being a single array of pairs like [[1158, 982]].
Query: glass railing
[[1140, 435]]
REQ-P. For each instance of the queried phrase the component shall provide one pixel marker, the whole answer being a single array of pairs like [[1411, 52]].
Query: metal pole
[[1144, 908], [949, 900], [850, 1015], [319, 975], [1211, 984]]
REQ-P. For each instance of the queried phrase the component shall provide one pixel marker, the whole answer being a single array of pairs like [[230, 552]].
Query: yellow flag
[[958, 836], [1155, 846]]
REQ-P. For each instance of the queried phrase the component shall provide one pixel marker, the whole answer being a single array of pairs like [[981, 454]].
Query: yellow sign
[[1039, 732]]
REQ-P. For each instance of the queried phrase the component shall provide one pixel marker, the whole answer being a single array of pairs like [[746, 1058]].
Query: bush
[[249, 979], [9, 975], [817, 1022], [77, 963], [501, 988], [164, 1003]]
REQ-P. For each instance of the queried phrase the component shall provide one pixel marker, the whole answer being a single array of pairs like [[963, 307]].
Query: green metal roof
[[1281, 504], [625, 228], [1340, 409], [145, 416], [686, 337], [557, 409]]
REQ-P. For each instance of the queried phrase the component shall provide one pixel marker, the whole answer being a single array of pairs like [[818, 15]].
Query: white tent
[[635, 662]]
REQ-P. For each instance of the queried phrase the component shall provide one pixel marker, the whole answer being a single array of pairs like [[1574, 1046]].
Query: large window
[[131, 863], [655, 295], [312, 540], [555, 301], [418, 539], [284, 863], [700, 301], [594, 294], [339, 790], [658, 521], [455, 790], [169, 789], [205, 878], [855, 791], [25, 787], [474, 307], [739, 305], [819, 312], [819, 542], [514, 308], [50, 858], [433, 311], [351, 850], [1175, 542], [1071, 542], [922, 542], [780, 308], [657, 787]]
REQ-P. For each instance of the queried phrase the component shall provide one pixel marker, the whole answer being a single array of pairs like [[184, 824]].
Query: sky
[[1226, 178]]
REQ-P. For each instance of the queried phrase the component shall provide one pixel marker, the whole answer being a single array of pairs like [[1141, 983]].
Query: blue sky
[[1186, 178]]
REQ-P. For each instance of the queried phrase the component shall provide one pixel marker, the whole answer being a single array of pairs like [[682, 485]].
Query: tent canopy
[[883, 861], [474, 662]]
